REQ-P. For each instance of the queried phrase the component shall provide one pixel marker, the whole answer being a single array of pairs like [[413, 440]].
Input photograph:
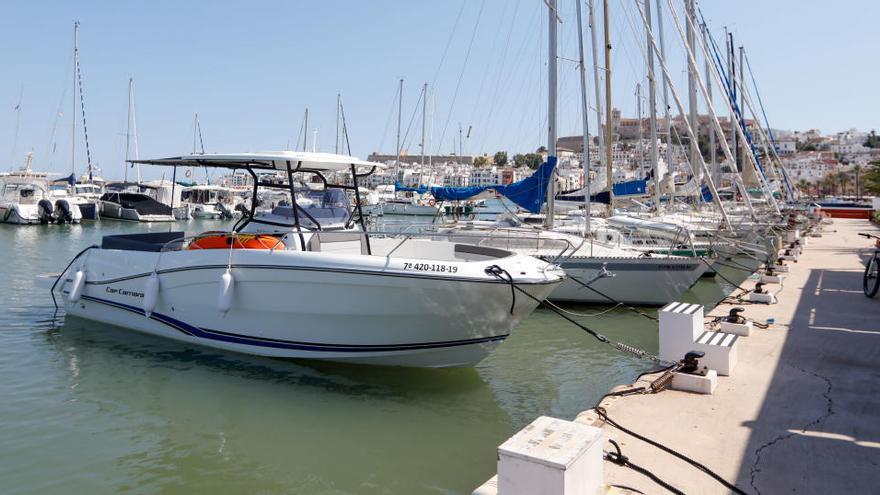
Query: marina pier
[[797, 414]]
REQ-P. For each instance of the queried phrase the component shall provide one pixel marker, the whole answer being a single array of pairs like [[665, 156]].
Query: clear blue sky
[[250, 68]]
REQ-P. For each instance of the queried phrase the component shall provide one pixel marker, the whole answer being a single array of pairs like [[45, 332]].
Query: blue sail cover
[[422, 189], [529, 193], [637, 187], [71, 179]]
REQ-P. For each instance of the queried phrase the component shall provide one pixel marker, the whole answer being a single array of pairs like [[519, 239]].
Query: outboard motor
[[62, 211], [224, 211], [45, 211]]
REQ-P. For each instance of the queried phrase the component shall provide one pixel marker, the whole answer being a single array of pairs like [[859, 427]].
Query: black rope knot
[[504, 275], [616, 457]]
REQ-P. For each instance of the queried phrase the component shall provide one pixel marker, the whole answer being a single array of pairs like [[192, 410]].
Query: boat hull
[[293, 310], [115, 211], [640, 281], [409, 210]]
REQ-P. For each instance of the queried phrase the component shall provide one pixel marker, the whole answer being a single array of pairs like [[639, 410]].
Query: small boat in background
[[211, 201], [129, 201]]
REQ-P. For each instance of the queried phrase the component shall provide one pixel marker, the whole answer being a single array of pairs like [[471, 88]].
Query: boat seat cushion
[[338, 241], [151, 241]]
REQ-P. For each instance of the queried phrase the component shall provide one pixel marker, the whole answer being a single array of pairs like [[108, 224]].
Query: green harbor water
[[90, 408]]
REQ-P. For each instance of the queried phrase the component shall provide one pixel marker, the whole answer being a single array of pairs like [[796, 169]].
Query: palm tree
[[803, 186], [858, 170], [844, 180]]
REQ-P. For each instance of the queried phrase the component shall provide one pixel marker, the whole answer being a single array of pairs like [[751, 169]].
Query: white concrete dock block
[[697, 384], [771, 279], [792, 235], [762, 298], [490, 487], [780, 268], [741, 329], [680, 325], [788, 257], [720, 349], [553, 457]]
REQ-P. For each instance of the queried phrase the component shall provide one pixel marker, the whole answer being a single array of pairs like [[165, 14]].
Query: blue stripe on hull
[[235, 338]]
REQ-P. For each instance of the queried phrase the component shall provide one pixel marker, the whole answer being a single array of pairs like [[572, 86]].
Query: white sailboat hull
[[652, 282]]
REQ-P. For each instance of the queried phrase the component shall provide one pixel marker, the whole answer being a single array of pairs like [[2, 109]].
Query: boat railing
[[557, 248]]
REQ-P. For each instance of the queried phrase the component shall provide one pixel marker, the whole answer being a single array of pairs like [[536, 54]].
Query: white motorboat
[[273, 289], [130, 201], [26, 201], [211, 201], [86, 197]]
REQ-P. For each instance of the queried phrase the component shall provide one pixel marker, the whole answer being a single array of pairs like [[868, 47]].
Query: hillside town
[[818, 164]]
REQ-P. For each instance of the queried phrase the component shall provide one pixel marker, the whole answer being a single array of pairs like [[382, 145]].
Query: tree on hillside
[[481, 161], [500, 158], [872, 178], [844, 180], [541, 149], [799, 146], [873, 140], [803, 186]]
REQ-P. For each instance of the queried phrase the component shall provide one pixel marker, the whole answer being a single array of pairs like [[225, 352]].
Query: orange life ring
[[222, 240]]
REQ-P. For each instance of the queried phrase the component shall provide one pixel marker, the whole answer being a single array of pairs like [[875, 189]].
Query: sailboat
[[597, 272], [137, 201]]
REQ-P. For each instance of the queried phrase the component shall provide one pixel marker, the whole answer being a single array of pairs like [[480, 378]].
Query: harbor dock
[[798, 414]]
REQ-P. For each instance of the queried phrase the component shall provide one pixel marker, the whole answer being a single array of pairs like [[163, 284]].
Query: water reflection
[[198, 420]]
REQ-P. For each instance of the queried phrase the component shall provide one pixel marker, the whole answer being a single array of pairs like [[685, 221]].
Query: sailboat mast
[[742, 107], [652, 110], [608, 135], [73, 98], [596, 80], [640, 143], [128, 134], [551, 111], [399, 114], [306, 129], [681, 109], [666, 106], [692, 94], [338, 104], [134, 129], [195, 131], [424, 120], [713, 158], [730, 73], [585, 162]]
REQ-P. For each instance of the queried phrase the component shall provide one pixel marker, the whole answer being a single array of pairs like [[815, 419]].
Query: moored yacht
[[289, 290], [27, 201], [130, 201]]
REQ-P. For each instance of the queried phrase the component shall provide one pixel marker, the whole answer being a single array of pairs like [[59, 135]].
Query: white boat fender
[[76, 286], [226, 292], [151, 294]]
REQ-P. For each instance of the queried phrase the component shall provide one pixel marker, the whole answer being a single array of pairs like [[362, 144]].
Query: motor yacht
[[131, 201], [211, 201], [300, 290], [26, 201]]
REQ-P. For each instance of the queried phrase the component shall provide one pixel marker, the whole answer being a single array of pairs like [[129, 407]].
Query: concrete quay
[[801, 411]]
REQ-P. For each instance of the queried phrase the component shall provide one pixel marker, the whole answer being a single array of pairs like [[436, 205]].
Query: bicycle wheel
[[871, 280]]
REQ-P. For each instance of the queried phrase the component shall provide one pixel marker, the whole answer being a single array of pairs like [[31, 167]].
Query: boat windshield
[[327, 206]]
